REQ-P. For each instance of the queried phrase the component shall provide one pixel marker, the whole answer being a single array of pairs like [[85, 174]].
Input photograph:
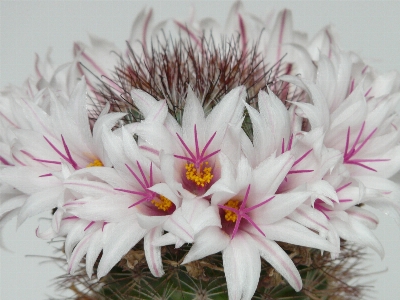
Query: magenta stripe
[[281, 262], [153, 259], [186, 147], [188, 234], [8, 120], [208, 144], [304, 214], [343, 187], [70, 218], [89, 225], [131, 192], [362, 216], [154, 151], [4, 161], [46, 175], [300, 171], [77, 249], [143, 176], [136, 177], [47, 161], [189, 32], [87, 185], [17, 160]]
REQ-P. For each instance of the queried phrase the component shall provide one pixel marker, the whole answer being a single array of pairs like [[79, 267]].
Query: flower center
[[230, 215], [201, 175], [95, 163], [162, 203]]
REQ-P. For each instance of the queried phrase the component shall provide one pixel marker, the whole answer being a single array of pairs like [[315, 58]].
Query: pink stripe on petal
[[48, 161], [304, 214], [18, 161], [46, 175], [74, 203], [149, 149], [159, 111], [71, 160], [184, 158], [246, 210], [369, 90], [289, 146], [254, 224], [302, 157], [143, 175], [235, 230], [362, 216], [189, 32], [88, 185], [365, 141], [179, 226], [4, 161], [152, 255], [76, 251], [351, 86], [281, 262], [196, 142], [345, 200], [210, 155], [185, 146], [361, 165], [208, 144], [8, 120], [131, 192], [104, 224], [371, 160], [343, 187], [136, 177], [89, 225], [299, 171], [140, 201], [70, 218], [245, 198], [55, 149]]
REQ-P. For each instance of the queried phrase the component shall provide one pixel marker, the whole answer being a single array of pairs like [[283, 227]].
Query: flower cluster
[[304, 174]]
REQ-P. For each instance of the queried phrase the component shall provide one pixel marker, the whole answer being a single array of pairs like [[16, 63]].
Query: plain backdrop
[[370, 28]]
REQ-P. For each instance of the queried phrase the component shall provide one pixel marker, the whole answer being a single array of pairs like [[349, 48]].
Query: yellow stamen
[[230, 215], [200, 176], [163, 203], [95, 163]]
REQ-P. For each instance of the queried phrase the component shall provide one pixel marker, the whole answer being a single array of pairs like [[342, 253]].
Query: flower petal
[[273, 254], [118, 242], [209, 241], [153, 253], [242, 267]]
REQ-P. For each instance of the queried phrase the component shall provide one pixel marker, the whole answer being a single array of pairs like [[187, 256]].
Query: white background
[[371, 28]]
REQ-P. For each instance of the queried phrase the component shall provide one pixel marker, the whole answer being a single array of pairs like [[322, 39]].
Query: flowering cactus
[[208, 165]]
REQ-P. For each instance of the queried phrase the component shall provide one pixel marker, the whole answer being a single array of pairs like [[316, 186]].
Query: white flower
[[188, 153], [252, 219]]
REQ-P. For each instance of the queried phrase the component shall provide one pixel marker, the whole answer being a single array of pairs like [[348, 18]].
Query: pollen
[[162, 203], [201, 176], [230, 215], [95, 163]]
